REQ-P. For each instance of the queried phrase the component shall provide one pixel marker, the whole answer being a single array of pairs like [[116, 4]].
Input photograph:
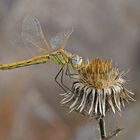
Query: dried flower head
[[99, 86]]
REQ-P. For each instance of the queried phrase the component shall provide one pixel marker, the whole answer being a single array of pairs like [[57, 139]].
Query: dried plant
[[98, 87]]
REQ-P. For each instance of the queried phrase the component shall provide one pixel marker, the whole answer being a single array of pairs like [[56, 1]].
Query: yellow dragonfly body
[[53, 50], [60, 57]]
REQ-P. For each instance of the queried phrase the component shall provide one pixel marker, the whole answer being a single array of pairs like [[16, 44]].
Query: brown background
[[29, 98]]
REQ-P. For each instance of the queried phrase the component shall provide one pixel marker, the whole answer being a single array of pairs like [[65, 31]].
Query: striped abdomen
[[33, 61], [59, 58]]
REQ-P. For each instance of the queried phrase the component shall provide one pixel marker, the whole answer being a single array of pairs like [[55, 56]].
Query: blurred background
[[29, 98]]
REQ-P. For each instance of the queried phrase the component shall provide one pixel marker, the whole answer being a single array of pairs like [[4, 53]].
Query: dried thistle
[[99, 86]]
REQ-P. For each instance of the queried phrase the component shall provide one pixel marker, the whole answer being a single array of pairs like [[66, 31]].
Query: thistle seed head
[[99, 86]]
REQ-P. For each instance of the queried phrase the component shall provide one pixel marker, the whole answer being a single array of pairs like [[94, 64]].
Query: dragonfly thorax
[[76, 61]]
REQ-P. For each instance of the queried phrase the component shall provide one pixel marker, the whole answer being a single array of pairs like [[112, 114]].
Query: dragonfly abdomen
[[28, 62], [59, 58]]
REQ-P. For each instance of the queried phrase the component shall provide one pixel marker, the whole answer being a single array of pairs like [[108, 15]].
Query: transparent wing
[[60, 40], [28, 46], [32, 34]]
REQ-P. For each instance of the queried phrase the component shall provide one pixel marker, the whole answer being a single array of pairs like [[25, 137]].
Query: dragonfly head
[[76, 61]]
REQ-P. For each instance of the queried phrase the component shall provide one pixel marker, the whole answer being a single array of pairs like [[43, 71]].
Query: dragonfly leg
[[62, 78], [70, 74], [61, 84], [56, 77]]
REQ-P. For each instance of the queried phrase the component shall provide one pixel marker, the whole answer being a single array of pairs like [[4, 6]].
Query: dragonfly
[[52, 50]]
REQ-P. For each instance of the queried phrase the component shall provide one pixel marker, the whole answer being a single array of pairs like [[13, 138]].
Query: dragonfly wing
[[60, 40], [27, 46], [32, 33]]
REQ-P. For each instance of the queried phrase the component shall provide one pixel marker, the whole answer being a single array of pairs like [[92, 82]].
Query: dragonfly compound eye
[[76, 61]]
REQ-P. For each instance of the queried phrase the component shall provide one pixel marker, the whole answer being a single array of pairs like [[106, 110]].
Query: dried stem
[[102, 128]]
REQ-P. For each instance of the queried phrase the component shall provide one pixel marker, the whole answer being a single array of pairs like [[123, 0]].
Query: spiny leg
[[62, 85], [69, 73], [62, 78], [56, 77]]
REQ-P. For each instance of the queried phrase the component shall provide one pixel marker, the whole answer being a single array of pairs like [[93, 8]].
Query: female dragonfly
[[52, 50]]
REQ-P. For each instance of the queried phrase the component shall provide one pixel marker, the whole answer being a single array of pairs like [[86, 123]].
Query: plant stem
[[102, 128]]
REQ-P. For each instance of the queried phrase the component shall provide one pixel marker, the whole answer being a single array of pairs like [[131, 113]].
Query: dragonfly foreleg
[[70, 74], [61, 84], [56, 77], [62, 78]]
